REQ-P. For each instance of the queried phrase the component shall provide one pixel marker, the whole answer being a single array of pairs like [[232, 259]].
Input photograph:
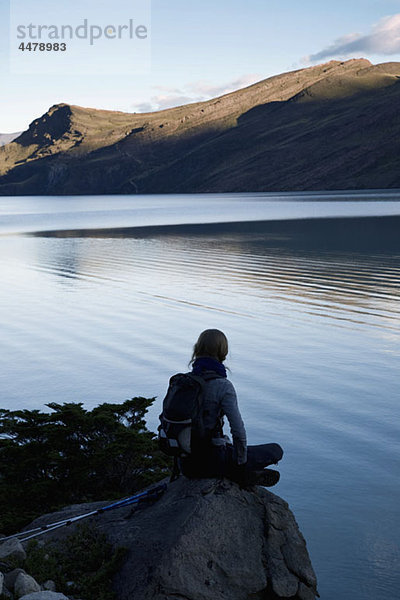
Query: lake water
[[311, 309]]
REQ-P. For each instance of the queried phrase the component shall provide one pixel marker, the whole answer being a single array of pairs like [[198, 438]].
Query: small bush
[[83, 566]]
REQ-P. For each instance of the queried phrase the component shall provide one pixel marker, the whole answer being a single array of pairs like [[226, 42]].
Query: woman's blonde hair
[[213, 343]]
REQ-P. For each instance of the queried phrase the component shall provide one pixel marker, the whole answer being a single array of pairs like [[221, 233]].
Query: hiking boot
[[265, 477]]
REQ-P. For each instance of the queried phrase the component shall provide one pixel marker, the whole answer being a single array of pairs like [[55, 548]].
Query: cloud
[[384, 38], [142, 107], [206, 89], [196, 91], [163, 101]]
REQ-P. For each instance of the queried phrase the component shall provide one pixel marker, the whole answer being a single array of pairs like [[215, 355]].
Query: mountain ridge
[[242, 141]]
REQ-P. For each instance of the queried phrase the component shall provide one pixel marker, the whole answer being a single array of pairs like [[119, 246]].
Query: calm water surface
[[311, 309]]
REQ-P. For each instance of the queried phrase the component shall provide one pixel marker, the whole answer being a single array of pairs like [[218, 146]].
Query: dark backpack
[[181, 428]]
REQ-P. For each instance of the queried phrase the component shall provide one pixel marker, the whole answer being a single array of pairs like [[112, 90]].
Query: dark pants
[[218, 461]]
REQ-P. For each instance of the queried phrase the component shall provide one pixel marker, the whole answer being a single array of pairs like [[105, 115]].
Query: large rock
[[207, 540], [11, 578], [12, 549], [25, 584]]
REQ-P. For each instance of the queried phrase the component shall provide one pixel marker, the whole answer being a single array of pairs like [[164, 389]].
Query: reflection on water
[[54, 213], [344, 281], [312, 313]]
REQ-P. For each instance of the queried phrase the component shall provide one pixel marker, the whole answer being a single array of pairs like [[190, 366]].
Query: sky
[[193, 50]]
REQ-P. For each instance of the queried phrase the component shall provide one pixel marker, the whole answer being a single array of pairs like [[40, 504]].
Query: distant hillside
[[6, 138], [332, 126]]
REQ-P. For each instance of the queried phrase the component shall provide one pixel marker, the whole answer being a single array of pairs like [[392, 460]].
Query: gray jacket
[[220, 399]]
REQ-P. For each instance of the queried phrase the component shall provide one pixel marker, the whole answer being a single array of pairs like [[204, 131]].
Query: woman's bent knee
[[278, 451]]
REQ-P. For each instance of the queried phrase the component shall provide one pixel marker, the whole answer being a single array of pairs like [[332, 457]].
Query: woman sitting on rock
[[218, 457]]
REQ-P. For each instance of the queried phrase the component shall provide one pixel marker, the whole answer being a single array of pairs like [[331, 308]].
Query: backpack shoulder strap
[[206, 376], [197, 378]]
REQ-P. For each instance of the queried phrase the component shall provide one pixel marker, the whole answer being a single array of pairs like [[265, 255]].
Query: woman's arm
[[229, 405]]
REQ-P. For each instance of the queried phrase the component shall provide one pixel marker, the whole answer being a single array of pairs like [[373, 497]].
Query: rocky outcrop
[[205, 540]]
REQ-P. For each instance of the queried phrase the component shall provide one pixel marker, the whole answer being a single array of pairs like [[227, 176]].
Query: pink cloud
[[196, 91]]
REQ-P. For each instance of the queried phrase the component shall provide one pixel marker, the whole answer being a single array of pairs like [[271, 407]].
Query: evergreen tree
[[72, 455]]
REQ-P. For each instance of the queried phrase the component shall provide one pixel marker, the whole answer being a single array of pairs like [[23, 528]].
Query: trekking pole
[[152, 494]]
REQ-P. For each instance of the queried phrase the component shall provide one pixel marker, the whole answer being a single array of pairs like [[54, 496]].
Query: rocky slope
[[204, 540], [332, 126]]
